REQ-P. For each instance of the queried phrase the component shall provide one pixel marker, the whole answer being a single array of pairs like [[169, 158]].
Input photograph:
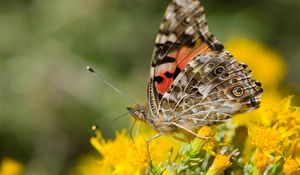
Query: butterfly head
[[138, 112]]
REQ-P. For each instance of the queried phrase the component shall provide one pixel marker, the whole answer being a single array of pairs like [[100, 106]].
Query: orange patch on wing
[[185, 54], [163, 86]]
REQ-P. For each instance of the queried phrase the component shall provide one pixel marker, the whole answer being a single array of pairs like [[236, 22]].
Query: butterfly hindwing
[[211, 88]]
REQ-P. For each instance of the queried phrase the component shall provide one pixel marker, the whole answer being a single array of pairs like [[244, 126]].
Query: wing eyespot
[[237, 91], [219, 70]]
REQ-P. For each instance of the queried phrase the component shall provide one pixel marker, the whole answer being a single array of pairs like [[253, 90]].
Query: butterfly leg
[[148, 141], [189, 131]]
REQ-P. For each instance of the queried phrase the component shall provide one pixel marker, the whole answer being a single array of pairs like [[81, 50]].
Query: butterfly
[[194, 81]]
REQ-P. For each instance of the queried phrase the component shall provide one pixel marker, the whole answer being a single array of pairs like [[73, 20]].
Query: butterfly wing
[[183, 34], [194, 81]]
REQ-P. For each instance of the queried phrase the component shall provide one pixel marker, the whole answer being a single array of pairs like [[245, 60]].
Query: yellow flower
[[220, 164], [261, 161], [291, 167], [124, 156], [10, 167], [265, 139], [110, 150]]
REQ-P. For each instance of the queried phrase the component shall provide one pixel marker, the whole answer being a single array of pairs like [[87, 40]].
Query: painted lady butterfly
[[194, 81]]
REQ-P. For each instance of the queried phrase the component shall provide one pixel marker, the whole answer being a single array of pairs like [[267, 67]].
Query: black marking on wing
[[160, 96], [187, 40], [218, 47], [177, 71], [158, 79], [166, 59], [253, 101], [169, 75]]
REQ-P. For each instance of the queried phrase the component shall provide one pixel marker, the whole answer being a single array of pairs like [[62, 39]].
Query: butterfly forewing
[[194, 81], [183, 34]]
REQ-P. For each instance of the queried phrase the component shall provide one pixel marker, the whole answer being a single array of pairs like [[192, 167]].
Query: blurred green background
[[49, 101]]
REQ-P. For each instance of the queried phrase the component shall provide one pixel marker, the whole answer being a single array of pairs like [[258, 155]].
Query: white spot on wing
[[172, 38]]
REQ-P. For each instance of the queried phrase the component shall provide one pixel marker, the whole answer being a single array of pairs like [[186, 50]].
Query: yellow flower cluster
[[280, 139], [266, 139], [124, 156], [275, 145]]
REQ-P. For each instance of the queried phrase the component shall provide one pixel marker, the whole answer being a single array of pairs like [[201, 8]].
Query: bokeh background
[[49, 101]]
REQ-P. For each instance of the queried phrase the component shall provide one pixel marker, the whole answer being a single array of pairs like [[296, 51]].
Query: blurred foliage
[[48, 101]]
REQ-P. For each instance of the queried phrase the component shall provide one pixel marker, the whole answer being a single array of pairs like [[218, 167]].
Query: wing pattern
[[194, 81], [182, 35]]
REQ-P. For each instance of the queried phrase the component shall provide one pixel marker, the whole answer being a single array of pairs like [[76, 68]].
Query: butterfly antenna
[[110, 85]]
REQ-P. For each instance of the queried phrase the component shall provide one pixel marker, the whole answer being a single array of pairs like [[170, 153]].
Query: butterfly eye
[[237, 91], [219, 70]]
